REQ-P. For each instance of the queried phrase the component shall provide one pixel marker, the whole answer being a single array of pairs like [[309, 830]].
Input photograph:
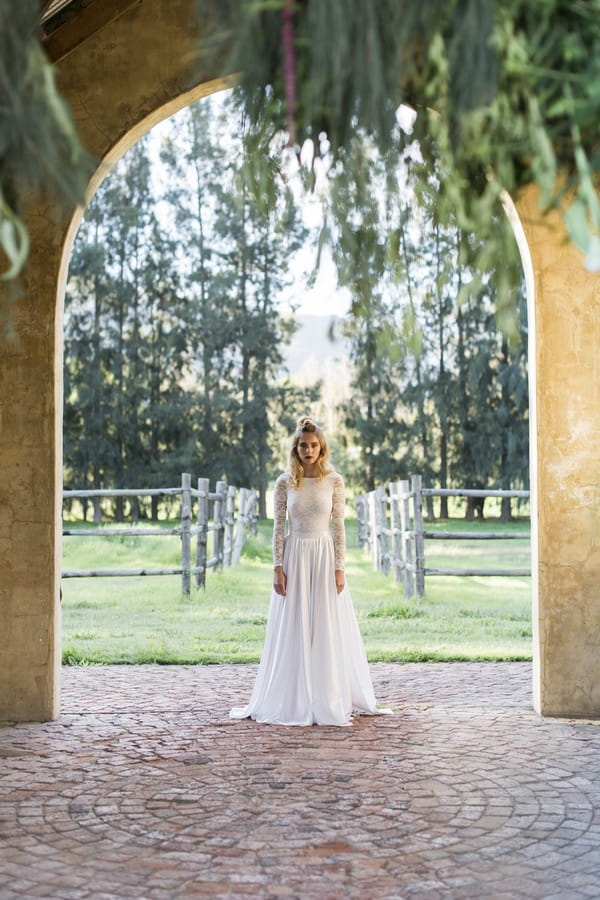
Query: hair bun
[[305, 423]]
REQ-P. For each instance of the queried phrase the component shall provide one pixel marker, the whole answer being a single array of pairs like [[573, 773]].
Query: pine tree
[[436, 388], [87, 445], [236, 258], [513, 411], [377, 349], [261, 244], [194, 153], [165, 415], [492, 396], [440, 255], [128, 241], [124, 357]]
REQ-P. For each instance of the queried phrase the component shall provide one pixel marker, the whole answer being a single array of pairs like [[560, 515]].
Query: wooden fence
[[228, 513], [390, 525]]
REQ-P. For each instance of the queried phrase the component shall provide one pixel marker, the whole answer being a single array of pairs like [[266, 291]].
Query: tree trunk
[[96, 500], [371, 351], [442, 388], [421, 417], [429, 509], [505, 506], [262, 482], [444, 472], [506, 510], [470, 509]]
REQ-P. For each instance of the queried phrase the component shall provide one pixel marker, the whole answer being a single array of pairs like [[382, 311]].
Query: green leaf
[[577, 225], [14, 240]]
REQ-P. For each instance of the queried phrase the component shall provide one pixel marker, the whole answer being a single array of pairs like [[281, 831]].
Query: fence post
[[396, 531], [373, 541], [419, 538], [405, 542], [229, 524], [202, 536], [240, 531], [381, 513], [362, 520], [252, 510], [186, 532], [219, 522]]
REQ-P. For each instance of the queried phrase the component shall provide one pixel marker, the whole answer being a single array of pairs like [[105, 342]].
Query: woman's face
[[308, 447]]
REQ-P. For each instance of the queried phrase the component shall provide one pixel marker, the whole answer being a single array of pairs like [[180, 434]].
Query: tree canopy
[[174, 336], [506, 94]]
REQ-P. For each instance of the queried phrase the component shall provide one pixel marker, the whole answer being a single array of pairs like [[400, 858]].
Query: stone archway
[[120, 82]]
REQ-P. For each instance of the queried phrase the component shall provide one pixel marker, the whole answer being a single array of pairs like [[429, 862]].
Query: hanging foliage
[[39, 147], [506, 94]]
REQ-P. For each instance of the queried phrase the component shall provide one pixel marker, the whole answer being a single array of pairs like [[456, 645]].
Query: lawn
[[145, 619]]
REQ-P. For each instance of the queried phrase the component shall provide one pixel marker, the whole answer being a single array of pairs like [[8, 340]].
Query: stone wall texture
[[566, 443]]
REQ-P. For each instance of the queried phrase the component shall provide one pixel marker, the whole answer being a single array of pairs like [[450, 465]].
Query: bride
[[313, 668]]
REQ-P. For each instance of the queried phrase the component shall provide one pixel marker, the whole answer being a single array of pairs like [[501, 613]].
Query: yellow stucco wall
[[29, 483], [120, 82], [566, 473]]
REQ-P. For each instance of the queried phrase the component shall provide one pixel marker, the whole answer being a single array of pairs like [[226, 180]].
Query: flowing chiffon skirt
[[313, 668]]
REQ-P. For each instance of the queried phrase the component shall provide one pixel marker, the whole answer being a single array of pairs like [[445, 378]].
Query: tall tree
[[440, 255], [183, 303], [194, 155], [165, 441], [257, 243], [123, 358], [87, 446], [362, 256], [238, 259], [425, 343]]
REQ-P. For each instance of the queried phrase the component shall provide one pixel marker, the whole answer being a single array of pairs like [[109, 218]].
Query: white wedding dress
[[313, 668]]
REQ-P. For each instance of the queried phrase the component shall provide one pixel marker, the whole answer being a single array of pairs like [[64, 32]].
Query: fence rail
[[234, 514], [390, 524]]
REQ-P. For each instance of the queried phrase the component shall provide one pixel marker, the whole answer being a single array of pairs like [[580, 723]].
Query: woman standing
[[314, 668]]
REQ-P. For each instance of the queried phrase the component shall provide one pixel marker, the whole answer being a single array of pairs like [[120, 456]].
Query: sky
[[324, 298]]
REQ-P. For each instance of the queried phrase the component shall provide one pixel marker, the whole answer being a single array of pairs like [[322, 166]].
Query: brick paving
[[145, 789]]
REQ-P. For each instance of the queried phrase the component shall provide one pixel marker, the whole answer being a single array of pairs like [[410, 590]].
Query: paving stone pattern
[[145, 789]]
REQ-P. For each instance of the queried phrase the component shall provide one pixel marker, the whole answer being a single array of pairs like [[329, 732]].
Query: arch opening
[[344, 469]]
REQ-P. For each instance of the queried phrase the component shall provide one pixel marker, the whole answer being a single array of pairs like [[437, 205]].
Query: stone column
[[565, 405], [30, 489]]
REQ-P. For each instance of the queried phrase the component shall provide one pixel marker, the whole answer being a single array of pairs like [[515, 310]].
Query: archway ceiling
[[67, 23]]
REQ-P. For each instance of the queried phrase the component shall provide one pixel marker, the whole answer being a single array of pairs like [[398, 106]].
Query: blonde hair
[[307, 426]]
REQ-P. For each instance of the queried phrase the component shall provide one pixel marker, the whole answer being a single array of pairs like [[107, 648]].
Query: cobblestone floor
[[145, 789]]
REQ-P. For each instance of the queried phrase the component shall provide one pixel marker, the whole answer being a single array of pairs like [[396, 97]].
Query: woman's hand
[[340, 580], [279, 581]]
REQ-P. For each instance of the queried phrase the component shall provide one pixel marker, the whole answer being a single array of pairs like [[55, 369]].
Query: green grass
[[140, 620]]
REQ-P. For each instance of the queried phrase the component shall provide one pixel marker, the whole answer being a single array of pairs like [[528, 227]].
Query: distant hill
[[311, 350]]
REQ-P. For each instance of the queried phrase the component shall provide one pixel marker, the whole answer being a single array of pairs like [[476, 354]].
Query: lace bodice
[[309, 511]]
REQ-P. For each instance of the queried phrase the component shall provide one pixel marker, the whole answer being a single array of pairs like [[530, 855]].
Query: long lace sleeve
[[279, 514], [339, 529]]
